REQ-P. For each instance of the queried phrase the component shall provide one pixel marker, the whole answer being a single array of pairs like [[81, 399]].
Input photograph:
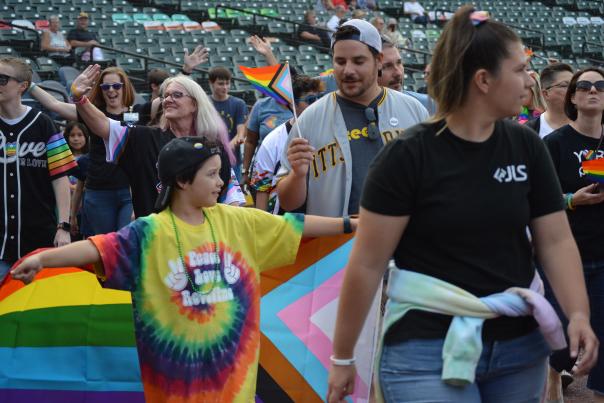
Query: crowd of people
[[472, 194]]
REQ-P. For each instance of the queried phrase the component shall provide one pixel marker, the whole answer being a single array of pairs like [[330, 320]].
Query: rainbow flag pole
[[273, 81]]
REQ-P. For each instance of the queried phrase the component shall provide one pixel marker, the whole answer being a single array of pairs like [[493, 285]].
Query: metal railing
[[596, 44]]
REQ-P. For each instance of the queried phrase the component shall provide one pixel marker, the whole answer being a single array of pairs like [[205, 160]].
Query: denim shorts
[[594, 281], [510, 371]]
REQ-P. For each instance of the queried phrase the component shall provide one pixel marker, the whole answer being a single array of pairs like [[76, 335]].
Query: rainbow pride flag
[[64, 338], [273, 81], [594, 169], [326, 73]]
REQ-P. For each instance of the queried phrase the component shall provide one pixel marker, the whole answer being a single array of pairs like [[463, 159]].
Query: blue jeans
[[593, 271], [105, 211], [510, 371], [4, 268]]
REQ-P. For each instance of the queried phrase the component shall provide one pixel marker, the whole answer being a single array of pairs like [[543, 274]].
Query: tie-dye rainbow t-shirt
[[198, 346]]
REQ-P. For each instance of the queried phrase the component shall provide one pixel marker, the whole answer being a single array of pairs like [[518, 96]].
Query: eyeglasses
[[563, 84], [175, 95], [309, 99], [585, 85], [373, 131], [4, 79], [115, 86]]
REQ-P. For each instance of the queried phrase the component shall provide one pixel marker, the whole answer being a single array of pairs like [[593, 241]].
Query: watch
[[65, 226]]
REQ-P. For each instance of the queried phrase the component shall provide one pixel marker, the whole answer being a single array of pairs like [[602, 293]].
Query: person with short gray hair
[[53, 42]]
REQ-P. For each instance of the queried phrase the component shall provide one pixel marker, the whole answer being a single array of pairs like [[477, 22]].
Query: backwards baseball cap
[[83, 15], [368, 34], [175, 158]]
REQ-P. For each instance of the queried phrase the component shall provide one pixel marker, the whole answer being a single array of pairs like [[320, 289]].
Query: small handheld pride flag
[[273, 81], [593, 166], [594, 169]]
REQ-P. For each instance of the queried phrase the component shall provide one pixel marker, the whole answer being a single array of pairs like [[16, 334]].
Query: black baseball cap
[[175, 158]]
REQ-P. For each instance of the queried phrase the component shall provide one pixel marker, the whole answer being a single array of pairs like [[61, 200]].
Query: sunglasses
[[115, 86], [373, 132], [175, 95], [4, 79], [563, 84], [585, 85]]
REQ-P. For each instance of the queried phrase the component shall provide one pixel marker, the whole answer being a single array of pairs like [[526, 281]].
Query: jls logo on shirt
[[511, 173]]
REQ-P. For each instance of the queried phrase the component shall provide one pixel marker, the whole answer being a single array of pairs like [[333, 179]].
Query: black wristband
[[347, 226], [184, 72]]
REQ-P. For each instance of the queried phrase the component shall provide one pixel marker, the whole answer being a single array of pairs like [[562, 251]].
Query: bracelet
[[569, 201], [184, 72], [342, 362], [75, 95], [347, 226], [31, 87], [83, 100]]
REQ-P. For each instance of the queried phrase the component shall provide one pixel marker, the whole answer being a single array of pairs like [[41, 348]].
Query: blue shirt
[[233, 111], [266, 115]]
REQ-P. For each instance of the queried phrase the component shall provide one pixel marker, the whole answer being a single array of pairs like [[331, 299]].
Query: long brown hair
[[96, 94], [462, 49]]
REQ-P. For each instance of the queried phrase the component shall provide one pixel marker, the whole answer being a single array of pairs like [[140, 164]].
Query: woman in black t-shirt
[[451, 201], [569, 146], [187, 111], [107, 204]]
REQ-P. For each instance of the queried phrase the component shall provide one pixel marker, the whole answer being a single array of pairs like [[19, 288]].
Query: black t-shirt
[[103, 175], [362, 148], [568, 149], [139, 162], [469, 205], [315, 31], [81, 35], [144, 112], [28, 212]]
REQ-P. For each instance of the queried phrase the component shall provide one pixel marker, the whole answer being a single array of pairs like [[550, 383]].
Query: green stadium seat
[[247, 61], [305, 59], [121, 18], [312, 69], [307, 50], [180, 18], [220, 60], [246, 50], [7, 51], [131, 65], [286, 50], [141, 18], [161, 17]]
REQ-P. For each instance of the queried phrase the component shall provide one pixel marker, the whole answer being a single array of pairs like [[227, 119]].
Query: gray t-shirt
[[362, 147]]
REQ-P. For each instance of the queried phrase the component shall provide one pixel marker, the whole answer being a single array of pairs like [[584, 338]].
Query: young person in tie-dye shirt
[[193, 270]]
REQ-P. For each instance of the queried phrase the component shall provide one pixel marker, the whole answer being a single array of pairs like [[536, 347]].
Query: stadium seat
[[46, 67], [67, 74], [154, 26], [141, 18], [56, 89], [161, 17], [41, 24], [7, 51], [121, 18], [180, 18], [191, 26]]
